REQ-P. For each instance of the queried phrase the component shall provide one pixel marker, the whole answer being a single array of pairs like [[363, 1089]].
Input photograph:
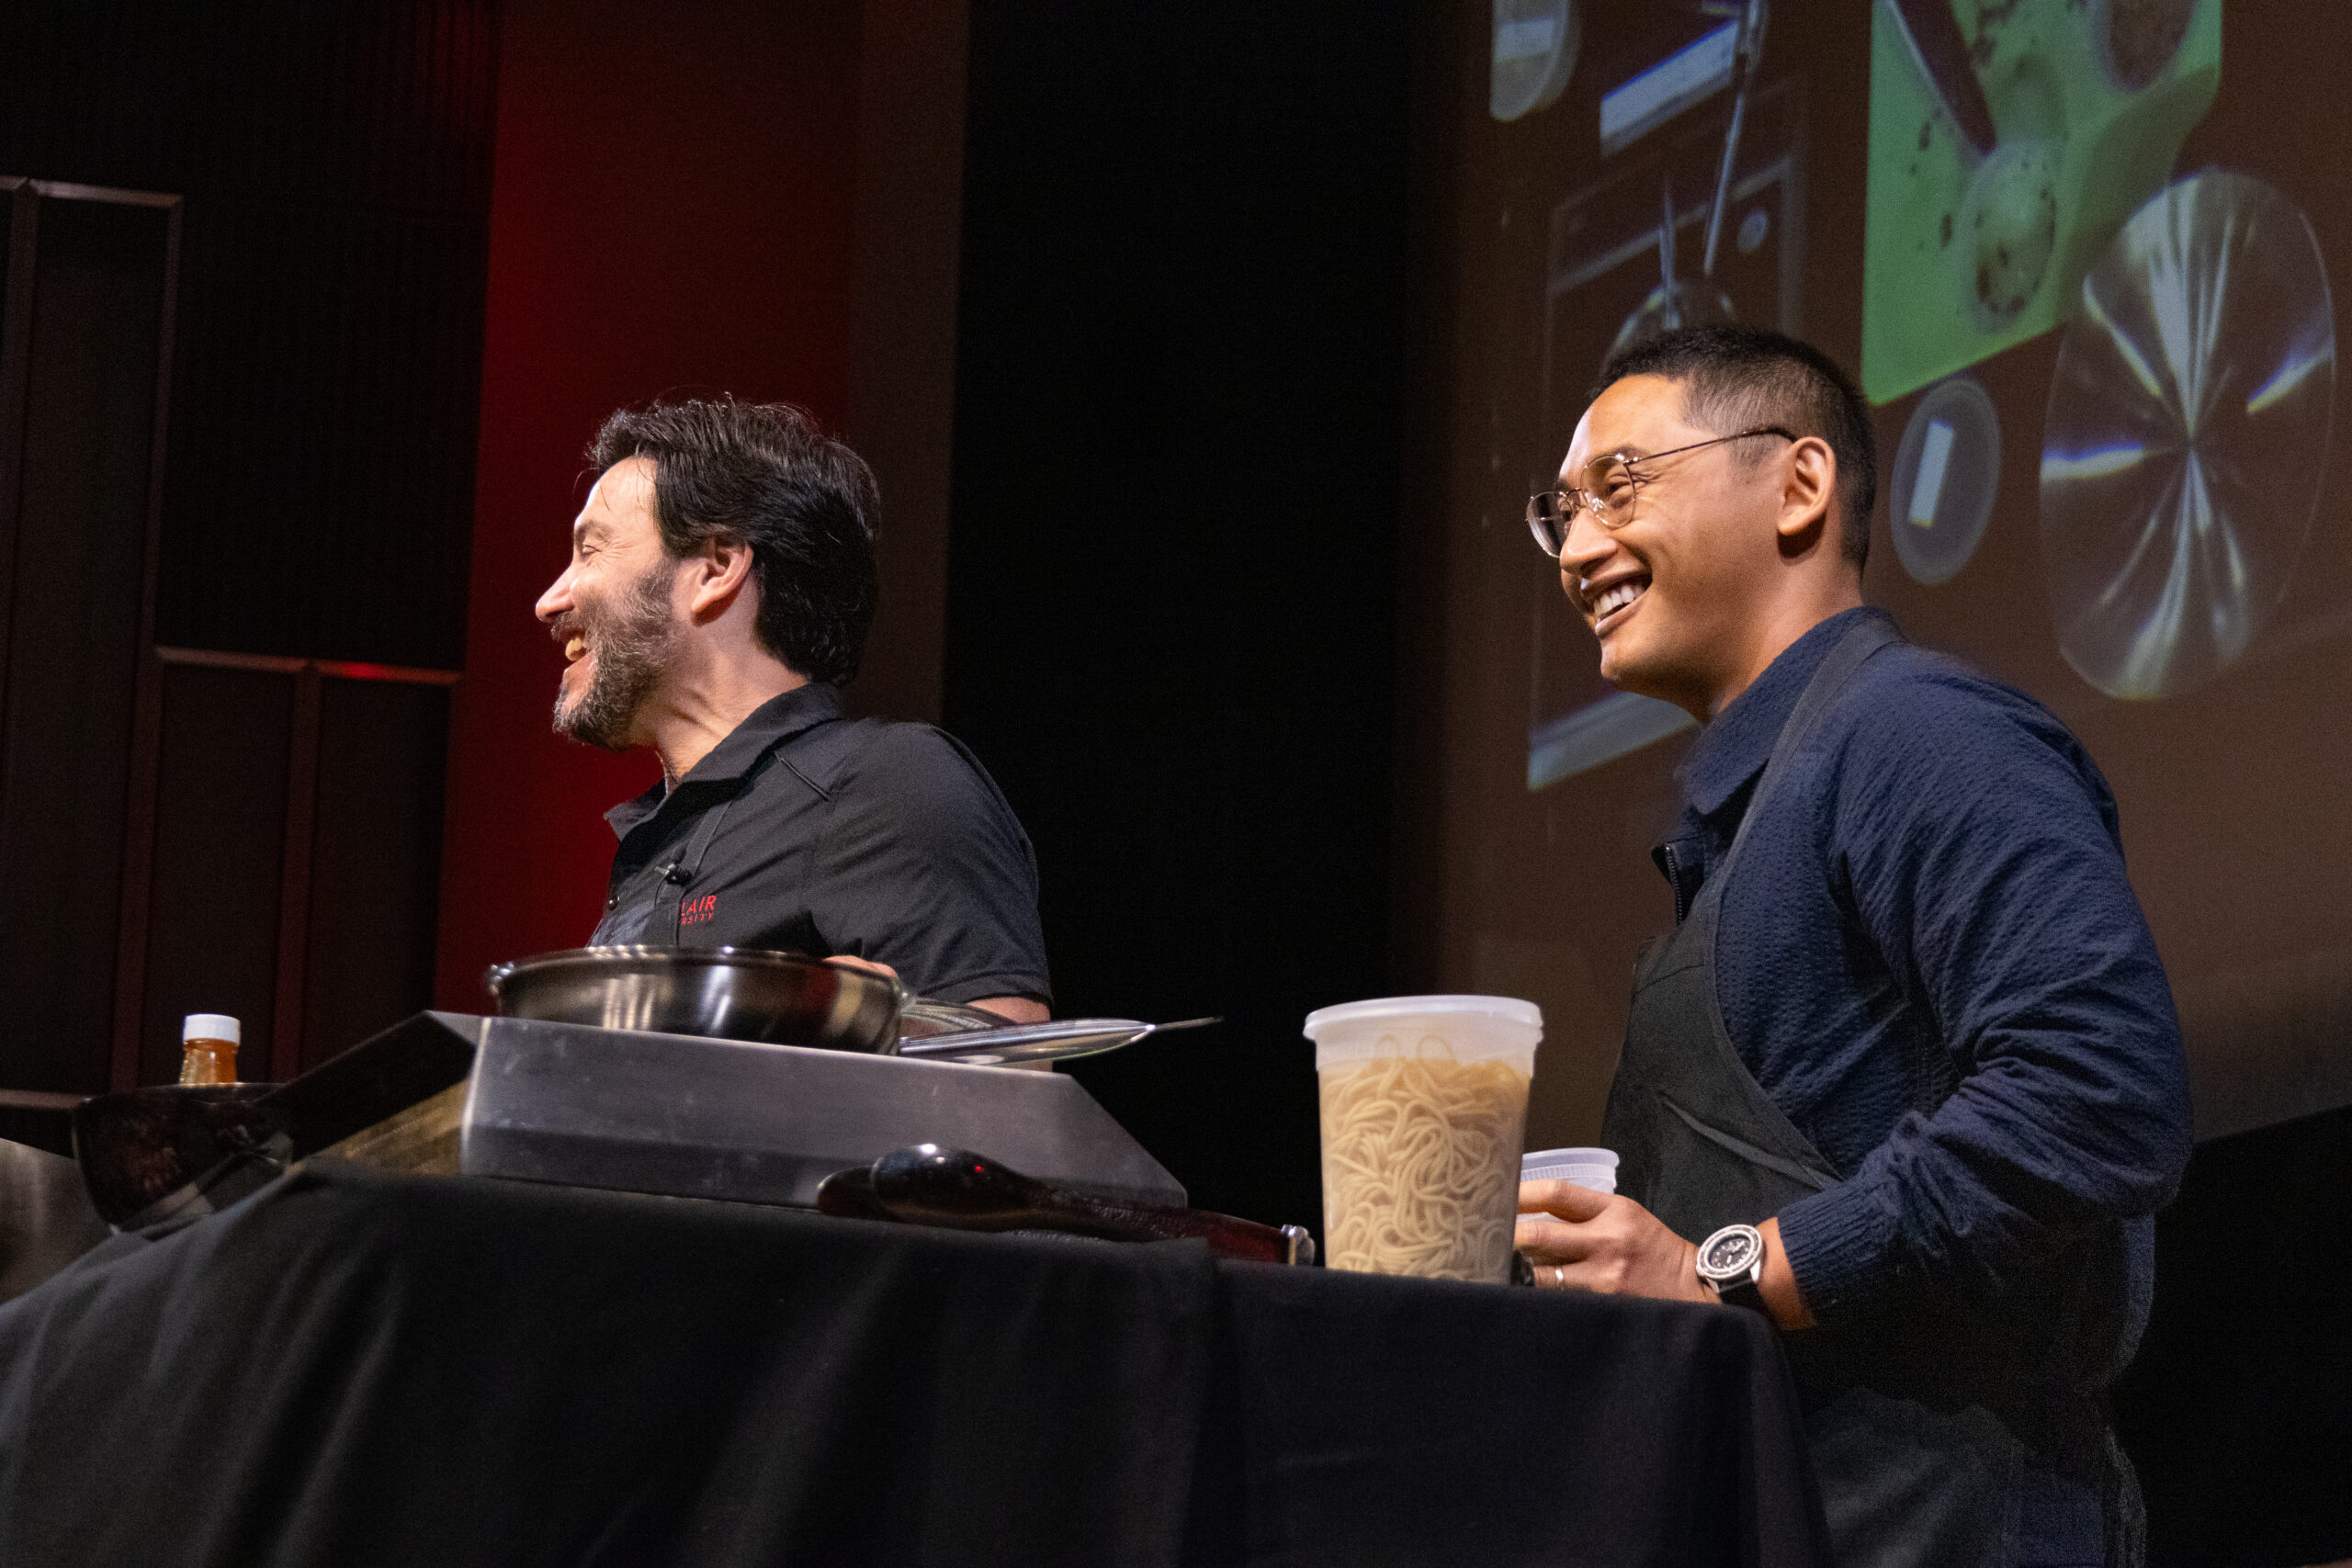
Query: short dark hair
[[765, 475], [1733, 377]]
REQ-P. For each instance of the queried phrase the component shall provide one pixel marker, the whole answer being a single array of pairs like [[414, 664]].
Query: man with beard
[[1905, 1078], [722, 584]]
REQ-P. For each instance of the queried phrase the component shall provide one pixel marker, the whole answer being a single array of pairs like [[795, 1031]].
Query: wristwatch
[[1730, 1262]]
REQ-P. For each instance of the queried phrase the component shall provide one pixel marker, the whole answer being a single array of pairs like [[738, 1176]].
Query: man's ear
[[1808, 490], [718, 573]]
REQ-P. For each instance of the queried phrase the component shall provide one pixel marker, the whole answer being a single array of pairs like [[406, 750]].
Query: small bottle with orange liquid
[[208, 1048]]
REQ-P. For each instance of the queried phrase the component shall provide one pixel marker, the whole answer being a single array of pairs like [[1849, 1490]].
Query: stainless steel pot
[[726, 993]]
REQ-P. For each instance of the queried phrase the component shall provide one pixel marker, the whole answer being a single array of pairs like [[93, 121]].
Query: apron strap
[[1865, 639], [1820, 1181]]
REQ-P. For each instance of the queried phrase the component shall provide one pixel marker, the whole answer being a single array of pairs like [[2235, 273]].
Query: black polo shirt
[[886, 841]]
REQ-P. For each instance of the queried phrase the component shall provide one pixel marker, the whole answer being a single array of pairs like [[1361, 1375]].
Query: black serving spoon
[[962, 1190]]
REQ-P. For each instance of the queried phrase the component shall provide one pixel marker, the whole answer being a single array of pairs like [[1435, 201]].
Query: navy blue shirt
[[1930, 959]]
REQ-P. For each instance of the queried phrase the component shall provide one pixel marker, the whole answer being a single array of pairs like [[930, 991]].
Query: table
[[352, 1368]]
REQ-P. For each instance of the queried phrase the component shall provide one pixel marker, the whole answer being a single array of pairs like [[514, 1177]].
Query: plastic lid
[[1605, 1158], [1509, 1009], [1463, 1029], [1596, 1169], [211, 1026]]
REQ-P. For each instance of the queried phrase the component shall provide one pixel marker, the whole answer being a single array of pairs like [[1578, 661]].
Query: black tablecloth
[[351, 1369]]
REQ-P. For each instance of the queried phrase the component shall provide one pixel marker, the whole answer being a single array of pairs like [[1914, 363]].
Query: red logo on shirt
[[698, 911]]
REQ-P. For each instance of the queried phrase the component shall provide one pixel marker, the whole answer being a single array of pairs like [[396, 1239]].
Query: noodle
[[1421, 1165]]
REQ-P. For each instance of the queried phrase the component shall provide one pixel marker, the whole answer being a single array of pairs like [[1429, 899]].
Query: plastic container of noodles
[[1424, 1106]]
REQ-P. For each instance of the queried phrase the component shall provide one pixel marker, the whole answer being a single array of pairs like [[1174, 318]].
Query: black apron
[[1930, 1452], [649, 909]]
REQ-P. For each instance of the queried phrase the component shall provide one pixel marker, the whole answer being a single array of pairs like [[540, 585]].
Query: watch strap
[[1744, 1293]]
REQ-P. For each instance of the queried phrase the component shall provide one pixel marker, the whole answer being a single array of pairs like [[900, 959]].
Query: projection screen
[[2083, 257]]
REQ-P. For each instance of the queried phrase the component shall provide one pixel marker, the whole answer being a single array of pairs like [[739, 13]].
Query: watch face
[[1730, 1252]]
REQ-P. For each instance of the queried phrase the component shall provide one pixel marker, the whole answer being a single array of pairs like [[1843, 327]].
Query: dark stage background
[[1176, 503], [227, 692], [335, 161]]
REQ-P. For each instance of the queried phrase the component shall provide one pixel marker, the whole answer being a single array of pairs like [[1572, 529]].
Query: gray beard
[[632, 651]]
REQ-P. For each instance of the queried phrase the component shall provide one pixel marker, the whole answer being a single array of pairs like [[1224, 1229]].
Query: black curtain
[[317, 484], [1171, 597]]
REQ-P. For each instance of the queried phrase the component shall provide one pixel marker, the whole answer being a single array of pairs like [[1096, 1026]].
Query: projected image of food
[[1678, 302], [1420, 1158], [2184, 448], [2139, 37], [1946, 476], [1536, 54], [2007, 143], [2010, 221]]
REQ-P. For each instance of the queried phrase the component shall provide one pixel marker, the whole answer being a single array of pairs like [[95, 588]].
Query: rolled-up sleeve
[[1976, 845]]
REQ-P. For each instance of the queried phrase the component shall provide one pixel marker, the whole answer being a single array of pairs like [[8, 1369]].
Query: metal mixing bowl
[[726, 993]]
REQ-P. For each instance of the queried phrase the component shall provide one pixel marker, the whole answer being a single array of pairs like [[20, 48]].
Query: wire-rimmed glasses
[[1607, 490]]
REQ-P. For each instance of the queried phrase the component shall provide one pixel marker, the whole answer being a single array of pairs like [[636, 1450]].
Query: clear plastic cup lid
[[1509, 1010], [1561, 1160], [1465, 1029]]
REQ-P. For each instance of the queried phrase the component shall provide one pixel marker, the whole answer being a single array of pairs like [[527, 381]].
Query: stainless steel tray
[[704, 1118]]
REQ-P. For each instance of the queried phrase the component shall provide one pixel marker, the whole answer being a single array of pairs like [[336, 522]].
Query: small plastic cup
[[1596, 1169], [1424, 1104]]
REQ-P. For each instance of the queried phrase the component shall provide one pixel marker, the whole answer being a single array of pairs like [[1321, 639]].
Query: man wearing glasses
[[1905, 1077]]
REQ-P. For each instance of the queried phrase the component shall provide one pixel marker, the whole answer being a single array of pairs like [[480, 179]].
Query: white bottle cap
[[211, 1026]]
